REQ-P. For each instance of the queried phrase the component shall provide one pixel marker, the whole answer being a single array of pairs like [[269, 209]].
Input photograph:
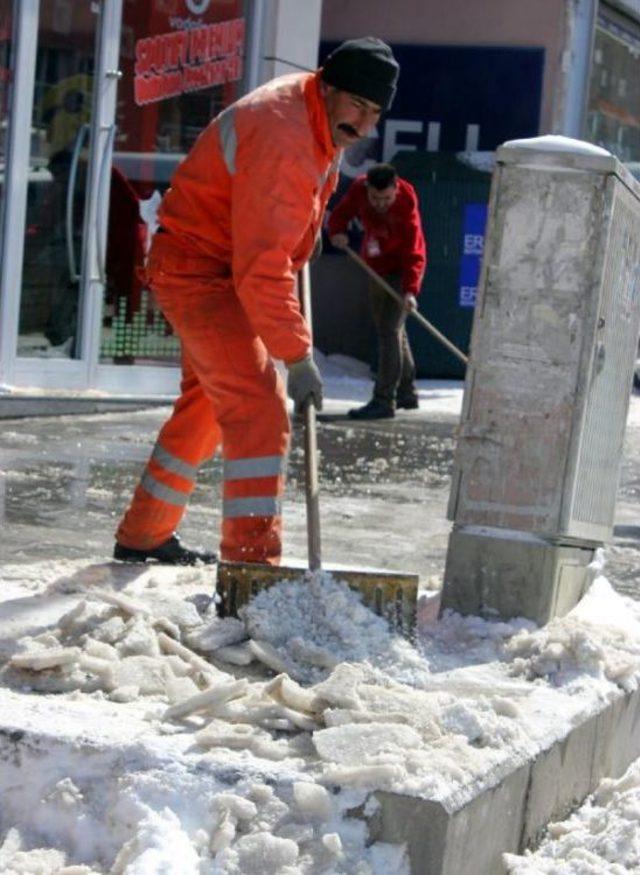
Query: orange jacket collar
[[318, 115]]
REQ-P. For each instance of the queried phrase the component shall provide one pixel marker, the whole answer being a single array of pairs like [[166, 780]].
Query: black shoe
[[373, 410], [170, 552], [408, 402]]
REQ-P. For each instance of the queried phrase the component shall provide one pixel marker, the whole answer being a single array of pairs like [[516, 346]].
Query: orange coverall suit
[[239, 221]]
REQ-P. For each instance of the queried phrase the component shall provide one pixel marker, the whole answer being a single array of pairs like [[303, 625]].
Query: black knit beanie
[[365, 67]]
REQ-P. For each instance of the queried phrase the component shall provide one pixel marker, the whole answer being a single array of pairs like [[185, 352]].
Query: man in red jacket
[[237, 225], [394, 246]]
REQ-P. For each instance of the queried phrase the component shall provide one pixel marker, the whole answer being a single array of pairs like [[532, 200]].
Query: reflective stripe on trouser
[[253, 488], [235, 397], [187, 439]]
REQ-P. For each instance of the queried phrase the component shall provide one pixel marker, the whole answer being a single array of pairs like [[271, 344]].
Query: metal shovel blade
[[390, 594]]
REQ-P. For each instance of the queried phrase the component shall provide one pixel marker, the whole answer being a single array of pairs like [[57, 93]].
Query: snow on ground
[[348, 383], [141, 755], [602, 837], [142, 734], [633, 416]]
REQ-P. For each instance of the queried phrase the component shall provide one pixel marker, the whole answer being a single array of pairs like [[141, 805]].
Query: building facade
[[474, 75], [100, 99]]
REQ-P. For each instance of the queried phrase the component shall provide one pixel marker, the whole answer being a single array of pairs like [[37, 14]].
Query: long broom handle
[[311, 480], [416, 315]]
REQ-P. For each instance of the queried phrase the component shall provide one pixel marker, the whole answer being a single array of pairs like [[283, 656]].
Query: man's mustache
[[347, 129]]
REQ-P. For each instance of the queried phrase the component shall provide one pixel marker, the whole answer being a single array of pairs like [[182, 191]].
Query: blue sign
[[473, 226]]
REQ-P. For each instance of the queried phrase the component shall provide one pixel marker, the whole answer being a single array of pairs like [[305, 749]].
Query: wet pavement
[[64, 482]]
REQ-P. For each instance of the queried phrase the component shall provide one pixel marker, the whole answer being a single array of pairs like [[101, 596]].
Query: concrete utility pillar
[[547, 388]]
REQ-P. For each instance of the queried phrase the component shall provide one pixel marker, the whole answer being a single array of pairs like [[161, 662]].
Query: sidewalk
[[67, 478], [481, 700], [384, 484], [20, 404]]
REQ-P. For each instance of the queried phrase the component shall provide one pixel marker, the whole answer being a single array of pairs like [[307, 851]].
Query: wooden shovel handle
[[375, 276], [311, 480]]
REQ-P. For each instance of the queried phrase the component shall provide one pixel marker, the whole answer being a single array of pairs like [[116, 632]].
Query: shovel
[[383, 284], [391, 594]]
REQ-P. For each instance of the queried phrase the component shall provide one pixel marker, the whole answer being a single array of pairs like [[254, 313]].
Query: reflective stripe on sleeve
[[259, 466], [247, 507], [228, 137], [162, 492], [332, 168], [173, 463]]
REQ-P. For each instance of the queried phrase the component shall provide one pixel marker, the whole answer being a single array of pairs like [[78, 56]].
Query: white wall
[[291, 32]]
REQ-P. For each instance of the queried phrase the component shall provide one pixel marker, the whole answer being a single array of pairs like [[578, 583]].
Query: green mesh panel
[[147, 336]]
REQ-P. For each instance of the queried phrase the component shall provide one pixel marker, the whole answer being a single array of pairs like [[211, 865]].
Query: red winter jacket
[[393, 241]]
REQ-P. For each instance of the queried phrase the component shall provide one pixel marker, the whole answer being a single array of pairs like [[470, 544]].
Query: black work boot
[[170, 552], [408, 401], [373, 410]]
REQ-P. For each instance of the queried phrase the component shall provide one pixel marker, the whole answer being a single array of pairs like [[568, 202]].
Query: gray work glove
[[304, 383]]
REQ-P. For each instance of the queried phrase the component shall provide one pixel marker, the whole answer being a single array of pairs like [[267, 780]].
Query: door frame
[[96, 215], [14, 208], [115, 379]]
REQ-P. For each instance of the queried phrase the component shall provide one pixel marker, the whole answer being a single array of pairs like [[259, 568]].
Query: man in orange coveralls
[[394, 246], [239, 221]]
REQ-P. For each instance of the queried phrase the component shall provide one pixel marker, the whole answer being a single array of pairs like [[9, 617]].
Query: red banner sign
[[188, 60]]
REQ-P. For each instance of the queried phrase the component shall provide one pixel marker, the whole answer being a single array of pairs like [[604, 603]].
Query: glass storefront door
[[181, 63], [105, 98], [56, 153], [57, 181]]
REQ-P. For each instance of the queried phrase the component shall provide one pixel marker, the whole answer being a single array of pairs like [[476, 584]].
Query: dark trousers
[[396, 368]]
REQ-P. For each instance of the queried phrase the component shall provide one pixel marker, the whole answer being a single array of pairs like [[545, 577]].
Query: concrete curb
[[21, 407], [470, 840], [512, 815]]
